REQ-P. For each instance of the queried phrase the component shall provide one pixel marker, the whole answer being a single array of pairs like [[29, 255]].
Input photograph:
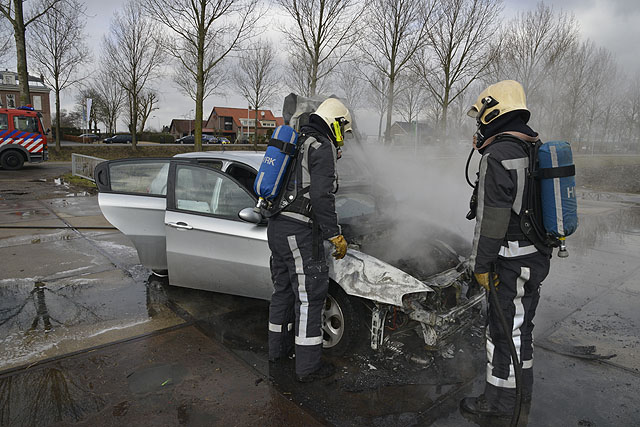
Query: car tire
[[11, 160], [341, 321]]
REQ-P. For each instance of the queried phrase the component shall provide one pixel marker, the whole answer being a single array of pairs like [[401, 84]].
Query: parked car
[[190, 217], [118, 139], [223, 140], [89, 137], [190, 139]]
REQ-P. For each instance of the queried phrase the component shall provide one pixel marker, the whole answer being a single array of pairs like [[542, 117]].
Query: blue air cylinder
[[278, 156], [558, 188]]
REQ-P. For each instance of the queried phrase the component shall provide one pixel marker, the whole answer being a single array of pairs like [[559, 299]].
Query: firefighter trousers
[[518, 295], [300, 286]]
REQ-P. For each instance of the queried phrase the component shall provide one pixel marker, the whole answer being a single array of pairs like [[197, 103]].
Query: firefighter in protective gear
[[499, 244], [296, 235]]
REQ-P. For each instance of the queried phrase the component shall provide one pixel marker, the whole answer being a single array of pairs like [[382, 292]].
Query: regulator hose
[[512, 348], [466, 169]]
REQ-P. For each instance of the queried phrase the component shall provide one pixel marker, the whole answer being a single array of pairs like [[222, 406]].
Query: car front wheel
[[341, 321]]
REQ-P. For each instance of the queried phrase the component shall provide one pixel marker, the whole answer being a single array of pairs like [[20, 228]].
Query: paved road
[[89, 336]]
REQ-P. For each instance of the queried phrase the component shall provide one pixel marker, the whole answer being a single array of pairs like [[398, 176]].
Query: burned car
[[183, 216]]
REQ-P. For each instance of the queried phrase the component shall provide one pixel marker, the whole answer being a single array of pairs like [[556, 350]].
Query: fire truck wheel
[[11, 160]]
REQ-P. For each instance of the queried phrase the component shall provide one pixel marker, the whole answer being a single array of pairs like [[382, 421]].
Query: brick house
[[182, 127], [10, 94], [238, 123]]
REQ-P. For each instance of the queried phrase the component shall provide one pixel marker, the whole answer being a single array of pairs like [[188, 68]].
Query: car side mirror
[[249, 215]]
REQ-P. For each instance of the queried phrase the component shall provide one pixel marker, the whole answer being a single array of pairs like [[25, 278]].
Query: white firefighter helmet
[[336, 116], [497, 100]]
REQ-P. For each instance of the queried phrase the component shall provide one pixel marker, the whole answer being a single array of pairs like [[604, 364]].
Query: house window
[[11, 100], [37, 102]]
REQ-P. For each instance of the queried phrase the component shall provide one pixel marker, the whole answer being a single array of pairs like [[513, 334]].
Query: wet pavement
[[89, 337]]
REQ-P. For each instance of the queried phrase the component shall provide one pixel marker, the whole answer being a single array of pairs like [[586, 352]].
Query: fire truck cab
[[22, 138]]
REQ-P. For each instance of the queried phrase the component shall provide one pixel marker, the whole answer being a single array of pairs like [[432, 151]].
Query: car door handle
[[180, 225]]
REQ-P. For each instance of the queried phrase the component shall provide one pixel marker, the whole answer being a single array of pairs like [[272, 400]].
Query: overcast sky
[[614, 24]]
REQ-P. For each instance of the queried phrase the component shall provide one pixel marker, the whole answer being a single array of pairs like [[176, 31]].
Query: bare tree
[[257, 78], [109, 99], [396, 29], [6, 41], [299, 76], [631, 115], [323, 34], [147, 103], [377, 90], [204, 33], [534, 42], [411, 99], [13, 11], [458, 49], [185, 80], [576, 78], [133, 54], [58, 49], [351, 84]]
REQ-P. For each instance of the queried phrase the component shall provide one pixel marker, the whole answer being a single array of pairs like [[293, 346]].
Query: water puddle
[[41, 319], [62, 397]]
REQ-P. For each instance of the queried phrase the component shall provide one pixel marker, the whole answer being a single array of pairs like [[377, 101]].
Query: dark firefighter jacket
[[502, 192], [313, 183]]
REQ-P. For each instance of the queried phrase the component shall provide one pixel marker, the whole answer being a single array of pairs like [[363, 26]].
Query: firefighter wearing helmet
[[296, 238], [502, 255]]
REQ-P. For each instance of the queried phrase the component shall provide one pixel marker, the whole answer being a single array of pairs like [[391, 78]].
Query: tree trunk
[[314, 77], [197, 143], [255, 134], [445, 108], [387, 132], [57, 90], [21, 52], [134, 122]]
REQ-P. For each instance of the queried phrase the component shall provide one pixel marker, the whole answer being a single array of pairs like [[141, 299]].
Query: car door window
[[148, 178], [206, 191], [243, 175]]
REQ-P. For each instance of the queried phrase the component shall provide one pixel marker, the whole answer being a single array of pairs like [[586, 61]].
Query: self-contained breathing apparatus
[[283, 150], [549, 214]]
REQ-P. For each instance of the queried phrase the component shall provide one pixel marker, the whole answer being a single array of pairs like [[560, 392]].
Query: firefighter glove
[[341, 246], [483, 280]]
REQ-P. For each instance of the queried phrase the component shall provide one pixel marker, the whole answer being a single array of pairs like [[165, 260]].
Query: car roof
[[250, 158]]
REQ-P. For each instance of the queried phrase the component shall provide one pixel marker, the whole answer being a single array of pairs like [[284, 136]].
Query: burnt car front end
[[420, 284]]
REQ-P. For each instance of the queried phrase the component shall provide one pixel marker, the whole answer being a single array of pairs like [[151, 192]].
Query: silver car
[[183, 216]]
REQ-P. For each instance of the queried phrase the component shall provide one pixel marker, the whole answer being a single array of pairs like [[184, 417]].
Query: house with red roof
[[239, 124], [182, 127]]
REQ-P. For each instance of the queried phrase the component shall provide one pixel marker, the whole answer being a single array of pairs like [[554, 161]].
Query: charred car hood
[[390, 257]]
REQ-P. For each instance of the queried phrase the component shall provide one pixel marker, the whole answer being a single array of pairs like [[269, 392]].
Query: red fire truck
[[22, 138]]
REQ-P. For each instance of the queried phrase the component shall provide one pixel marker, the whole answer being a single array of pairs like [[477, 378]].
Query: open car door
[[133, 198], [208, 246]]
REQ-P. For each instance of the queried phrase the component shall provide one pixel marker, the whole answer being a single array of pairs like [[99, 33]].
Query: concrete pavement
[[88, 337]]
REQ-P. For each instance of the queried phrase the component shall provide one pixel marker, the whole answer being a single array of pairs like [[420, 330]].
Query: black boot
[[481, 406], [324, 371]]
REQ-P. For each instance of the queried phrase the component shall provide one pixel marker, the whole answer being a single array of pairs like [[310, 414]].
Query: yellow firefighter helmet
[[499, 99], [336, 116]]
